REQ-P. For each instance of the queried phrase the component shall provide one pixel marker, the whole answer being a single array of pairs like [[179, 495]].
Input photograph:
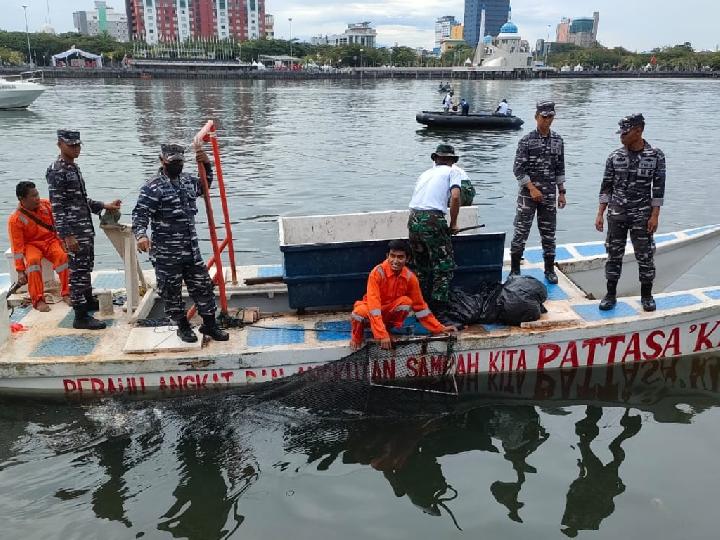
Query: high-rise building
[[581, 31], [170, 20], [562, 30], [496, 14], [102, 19], [443, 28], [269, 26]]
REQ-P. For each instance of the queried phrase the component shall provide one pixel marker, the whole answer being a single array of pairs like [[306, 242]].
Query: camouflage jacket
[[633, 180], [169, 208], [540, 159], [71, 206]]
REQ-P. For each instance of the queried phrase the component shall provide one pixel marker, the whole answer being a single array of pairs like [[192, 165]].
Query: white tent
[[76, 53]]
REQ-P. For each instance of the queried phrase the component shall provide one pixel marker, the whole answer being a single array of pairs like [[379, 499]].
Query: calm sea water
[[636, 457]]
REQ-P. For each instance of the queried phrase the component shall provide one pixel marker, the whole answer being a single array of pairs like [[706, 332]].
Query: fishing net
[[372, 379]]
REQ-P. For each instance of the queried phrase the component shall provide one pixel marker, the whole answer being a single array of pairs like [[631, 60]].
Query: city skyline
[[639, 25]]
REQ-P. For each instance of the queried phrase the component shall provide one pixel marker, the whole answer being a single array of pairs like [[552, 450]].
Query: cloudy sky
[[635, 24]]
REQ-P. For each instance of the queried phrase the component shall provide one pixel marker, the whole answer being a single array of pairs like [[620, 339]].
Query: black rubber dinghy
[[471, 121]]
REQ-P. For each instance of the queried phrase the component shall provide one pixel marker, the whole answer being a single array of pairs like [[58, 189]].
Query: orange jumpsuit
[[30, 243], [389, 299]]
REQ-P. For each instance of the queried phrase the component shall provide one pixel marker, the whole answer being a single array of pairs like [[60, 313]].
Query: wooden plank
[[158, 339]]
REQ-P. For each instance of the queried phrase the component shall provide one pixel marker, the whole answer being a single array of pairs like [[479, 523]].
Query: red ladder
[[209, 134]]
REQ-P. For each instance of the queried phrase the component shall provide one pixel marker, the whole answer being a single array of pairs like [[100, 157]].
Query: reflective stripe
[[375, 312], [357, 317], [423, 313], [402, 308], [33, 268], [380, 271], [61, 268], [18, 256], [23, 219]]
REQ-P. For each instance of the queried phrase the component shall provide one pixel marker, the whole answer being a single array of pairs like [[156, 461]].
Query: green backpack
[[467, 193]]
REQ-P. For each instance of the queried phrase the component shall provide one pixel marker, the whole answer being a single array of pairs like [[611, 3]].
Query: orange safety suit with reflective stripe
[[31, 243], [388, 300]]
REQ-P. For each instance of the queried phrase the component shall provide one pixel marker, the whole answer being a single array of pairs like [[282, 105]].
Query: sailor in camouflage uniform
[[168, 203], [632, 191], [540, 170], [429, 232], [72, 210]]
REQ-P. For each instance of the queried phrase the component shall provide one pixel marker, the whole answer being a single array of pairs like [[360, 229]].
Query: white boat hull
[[639, 337], [16, 98], [51, 358], [676, 253]]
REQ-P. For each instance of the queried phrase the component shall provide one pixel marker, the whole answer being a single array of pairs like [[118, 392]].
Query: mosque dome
[[509, 28], [487, 40]]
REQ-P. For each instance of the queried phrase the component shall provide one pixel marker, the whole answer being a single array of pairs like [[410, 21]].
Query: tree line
[[13, 51], [674, 58]]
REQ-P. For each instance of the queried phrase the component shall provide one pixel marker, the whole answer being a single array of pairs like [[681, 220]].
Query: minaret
[[480, 49]]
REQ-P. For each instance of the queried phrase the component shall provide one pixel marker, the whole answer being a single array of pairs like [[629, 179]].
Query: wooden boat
[[435, 119], [51, 358]]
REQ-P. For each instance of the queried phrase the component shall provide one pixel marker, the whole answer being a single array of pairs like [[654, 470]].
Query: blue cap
[[68, 136], [172, 152], [630, 121], [545, 108]]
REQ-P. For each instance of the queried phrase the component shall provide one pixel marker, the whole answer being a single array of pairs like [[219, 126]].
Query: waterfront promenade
[[222, 71]]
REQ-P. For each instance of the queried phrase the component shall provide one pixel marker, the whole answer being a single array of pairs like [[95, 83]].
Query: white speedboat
[[18, 92]]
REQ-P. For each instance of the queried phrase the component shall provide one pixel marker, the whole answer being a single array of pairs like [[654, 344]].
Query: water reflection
[[215, 471], [519, 441], [507, 408], [188, 468], [590, 498]]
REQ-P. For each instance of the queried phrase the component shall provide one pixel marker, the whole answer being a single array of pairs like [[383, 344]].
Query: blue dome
[[509, 28], [487, 40]]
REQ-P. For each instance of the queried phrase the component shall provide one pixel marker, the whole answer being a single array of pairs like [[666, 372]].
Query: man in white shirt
[[503, 109], [430, 235], [447, 102]]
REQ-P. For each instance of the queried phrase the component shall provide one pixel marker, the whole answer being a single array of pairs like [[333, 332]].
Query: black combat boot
[[646, 298], [211, 329], [92, 302], [550, 274], [83, 320], [608, 303], [515, 259], [185, 331]]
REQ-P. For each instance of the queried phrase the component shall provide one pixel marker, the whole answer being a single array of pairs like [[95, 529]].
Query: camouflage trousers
[[432, 253], [170, 276], [546, 221], [81, 266], [618, 228]]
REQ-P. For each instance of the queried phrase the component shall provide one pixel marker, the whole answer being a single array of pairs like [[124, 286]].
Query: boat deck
[[48, 338]]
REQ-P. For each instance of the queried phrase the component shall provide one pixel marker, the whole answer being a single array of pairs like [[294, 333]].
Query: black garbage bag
[[464, 308], [521, 300]]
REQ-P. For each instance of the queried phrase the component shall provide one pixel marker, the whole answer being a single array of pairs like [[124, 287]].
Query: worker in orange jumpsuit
[[392, 291], [32, 235]]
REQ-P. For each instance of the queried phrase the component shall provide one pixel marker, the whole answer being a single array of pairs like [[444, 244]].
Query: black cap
[[630, 121], [545, 108], [69, 136]]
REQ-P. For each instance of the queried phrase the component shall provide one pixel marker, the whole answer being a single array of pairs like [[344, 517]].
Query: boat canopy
[[73, 53]]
